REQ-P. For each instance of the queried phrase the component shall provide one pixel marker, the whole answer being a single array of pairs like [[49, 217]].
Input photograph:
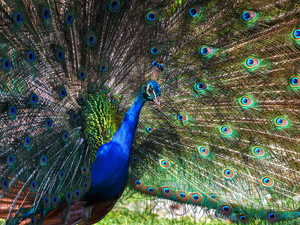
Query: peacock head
[[151, 92]]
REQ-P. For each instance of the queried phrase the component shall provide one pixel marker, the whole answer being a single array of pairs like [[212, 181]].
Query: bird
[[191, 101]]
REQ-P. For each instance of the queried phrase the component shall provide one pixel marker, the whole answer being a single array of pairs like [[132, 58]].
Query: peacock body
[[195, 102]]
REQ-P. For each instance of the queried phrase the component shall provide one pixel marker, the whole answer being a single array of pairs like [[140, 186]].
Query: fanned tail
[[226, 136]]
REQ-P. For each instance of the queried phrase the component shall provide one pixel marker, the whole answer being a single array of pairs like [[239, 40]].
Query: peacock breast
[[100, 121], [110, 170]]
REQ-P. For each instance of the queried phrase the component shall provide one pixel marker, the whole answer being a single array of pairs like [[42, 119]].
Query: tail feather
[[225, 138]]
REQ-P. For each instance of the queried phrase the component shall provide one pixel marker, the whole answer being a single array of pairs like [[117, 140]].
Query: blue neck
[[110, 168], [126, 132]]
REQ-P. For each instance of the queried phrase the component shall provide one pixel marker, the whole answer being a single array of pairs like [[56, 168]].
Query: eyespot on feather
[[204, 151], [33, 220], [135, 160], [194, 12], [12, 111], [69, 197], [164, 163], [43, 215], [61, 175], [228, 173], [181, 117], [29, 56], [48, 123], [258, 151], [246, 101], [73, 116], [267, 181], [225, 209], [200, 87], [55, 201], [59, 55], [252, 62], [4, 184], [206, 51], [195, 198], [181, 196], [10, 160], [84, 170], [86, 186], [149, 129], [103, 66], [226, 130], [152, 16], [294, 82], [114, 5], [62, 93], [90, 39], [81, 73], [65, 136], [33, 99], [17, 17], [92, 87], [5, 64], [281, 121], [242, 218], [43, 160], [212, 197], [105, 89], [149, 190], [136, 183], [77, 194], [116, 100], [248, 16], [46, 202], [27, 141], [166, 191], [45, 13], [155, 50], [272, 217], [69, 18], [81, 99]]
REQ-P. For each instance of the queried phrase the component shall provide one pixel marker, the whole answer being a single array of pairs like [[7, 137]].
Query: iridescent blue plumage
[[110, 168]]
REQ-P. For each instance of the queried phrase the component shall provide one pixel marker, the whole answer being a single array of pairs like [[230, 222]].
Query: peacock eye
[[152, 16], [267, 181], [248, 16], [296, 34]]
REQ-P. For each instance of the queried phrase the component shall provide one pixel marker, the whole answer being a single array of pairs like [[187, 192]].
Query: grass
[[137, 215], [127, 217], [141, 214]]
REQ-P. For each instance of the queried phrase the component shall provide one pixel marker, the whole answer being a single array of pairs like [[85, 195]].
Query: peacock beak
[[157, 101]]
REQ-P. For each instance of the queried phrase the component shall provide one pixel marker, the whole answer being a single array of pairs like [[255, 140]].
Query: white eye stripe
[[148, 89], [154, 94]]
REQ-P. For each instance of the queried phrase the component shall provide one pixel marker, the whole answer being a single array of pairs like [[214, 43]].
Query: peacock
[[192, 101]]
